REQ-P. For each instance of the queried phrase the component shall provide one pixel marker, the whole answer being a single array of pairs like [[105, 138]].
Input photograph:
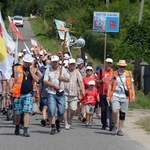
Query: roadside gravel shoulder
[[135, 132]]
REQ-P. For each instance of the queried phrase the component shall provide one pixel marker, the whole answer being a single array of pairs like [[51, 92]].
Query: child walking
[[89, 100]]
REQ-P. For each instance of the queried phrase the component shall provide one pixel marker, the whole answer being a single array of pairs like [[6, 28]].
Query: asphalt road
[[27, 33], [78, 138]]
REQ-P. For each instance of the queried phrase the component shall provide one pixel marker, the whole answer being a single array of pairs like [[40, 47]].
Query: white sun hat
[[54, 58], [27, 58]]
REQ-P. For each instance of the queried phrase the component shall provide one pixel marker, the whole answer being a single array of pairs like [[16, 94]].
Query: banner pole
[[105, 46]]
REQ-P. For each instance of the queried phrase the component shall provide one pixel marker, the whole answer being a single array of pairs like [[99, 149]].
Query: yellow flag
[[3, 51]]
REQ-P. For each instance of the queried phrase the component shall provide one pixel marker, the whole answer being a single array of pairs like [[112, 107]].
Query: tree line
[[132, 41]]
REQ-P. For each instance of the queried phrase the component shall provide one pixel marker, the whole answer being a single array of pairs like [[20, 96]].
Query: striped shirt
[[72, 86]]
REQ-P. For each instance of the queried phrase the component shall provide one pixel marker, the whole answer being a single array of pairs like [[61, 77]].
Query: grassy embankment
[[142, 101], [53, 44]]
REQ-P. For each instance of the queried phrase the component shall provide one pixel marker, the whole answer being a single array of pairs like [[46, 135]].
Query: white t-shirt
[[119, 91], [52, 76]]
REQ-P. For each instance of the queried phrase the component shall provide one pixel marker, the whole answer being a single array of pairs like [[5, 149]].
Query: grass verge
[[142, 101], [144, 123]]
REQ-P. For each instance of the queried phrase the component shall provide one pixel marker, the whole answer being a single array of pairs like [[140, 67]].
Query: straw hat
[[122, 63]]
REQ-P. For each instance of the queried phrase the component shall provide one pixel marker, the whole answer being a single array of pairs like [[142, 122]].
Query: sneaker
[[87, 124], [17, 132], [67, 127], [103, 128], [119, 133], [114, 129], [90, 124], [84, 120], [47, 122], [70, 122], [79, 118], [58, 126], [53, 131], [111, 127], [43, 122], [26, 134]]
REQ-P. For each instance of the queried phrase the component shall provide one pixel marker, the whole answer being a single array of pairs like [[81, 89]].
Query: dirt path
[[134, 131]]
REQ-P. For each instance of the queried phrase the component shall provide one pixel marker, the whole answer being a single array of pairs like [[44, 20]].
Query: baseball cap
[[66, 56], [24, 50], [72, 61], [109, 60], [92, 82], [54, 58], [65, 63], [27, 58], [20, 54], [80, 61]]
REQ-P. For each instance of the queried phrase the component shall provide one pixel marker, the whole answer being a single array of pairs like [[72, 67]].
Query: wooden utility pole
[[107, 3], [141, 11]]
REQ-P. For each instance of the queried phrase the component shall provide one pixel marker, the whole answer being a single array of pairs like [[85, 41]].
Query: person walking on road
[[20, 88], [103, 79], [54, 78], [89, 101], [120, 91], [71, 90], [2, 90]]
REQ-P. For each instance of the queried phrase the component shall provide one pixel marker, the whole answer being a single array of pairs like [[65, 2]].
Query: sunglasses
[[89, 70], [122, 66]]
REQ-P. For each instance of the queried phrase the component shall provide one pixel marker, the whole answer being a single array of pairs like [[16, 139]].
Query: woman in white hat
[[120, 91]]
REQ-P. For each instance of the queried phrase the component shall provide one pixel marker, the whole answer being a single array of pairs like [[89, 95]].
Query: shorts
[[56, 102], [97, 105], [120, 104], [44, 101], [71, 102], [23, 104], [33, 93], [89, 109]]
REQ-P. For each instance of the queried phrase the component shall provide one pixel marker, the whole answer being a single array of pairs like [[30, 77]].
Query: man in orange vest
[[103, 79], [20, 87], [120, 91]]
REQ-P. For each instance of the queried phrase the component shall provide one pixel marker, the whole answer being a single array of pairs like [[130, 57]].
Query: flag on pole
[[34, 42], [27, 49], [61, 29], [15, 29], [16, 51], [10, 44], [6, 60]]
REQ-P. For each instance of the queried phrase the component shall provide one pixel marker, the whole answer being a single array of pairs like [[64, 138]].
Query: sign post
[[106, 22]]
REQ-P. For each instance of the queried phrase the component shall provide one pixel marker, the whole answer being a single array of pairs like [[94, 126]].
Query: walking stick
[[63, 50]]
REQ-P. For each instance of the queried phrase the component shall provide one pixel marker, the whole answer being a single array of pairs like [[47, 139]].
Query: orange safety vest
[[18, 76], [128, 76]]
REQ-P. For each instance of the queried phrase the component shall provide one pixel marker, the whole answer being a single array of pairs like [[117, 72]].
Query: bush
[[95, 44]]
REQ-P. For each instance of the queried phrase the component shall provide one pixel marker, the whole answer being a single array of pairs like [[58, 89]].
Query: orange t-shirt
[[104, 85], [87, 79]]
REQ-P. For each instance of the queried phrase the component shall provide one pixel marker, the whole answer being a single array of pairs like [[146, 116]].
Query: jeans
[[54, 102]]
